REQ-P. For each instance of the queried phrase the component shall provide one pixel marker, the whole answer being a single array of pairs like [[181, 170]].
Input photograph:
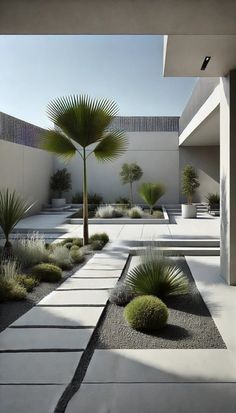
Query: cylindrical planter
[[58, 202], [189, 211]]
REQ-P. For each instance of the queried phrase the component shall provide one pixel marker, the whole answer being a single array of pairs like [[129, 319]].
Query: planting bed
[[160, 217], [190, 325]]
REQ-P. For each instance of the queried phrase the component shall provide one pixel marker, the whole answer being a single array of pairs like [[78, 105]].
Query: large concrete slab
[[105, 264], [30, 399], [93, 273], [60, 316], [154, 397], [44, 339], [75, 297], [161, 366], [37, 368], [87, 284]]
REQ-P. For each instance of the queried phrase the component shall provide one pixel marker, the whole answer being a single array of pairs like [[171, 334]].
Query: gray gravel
[[190, 325]]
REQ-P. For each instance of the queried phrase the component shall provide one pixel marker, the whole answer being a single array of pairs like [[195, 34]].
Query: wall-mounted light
[[205, 62]]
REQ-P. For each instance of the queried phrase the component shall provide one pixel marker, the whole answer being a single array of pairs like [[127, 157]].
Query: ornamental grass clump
[[47, 272], [109, 211], [151, 193], [100, 237], [135, 212], [121, 294], [31, 250], [146, 313], [157, 275], [10, 288], [61, 257]]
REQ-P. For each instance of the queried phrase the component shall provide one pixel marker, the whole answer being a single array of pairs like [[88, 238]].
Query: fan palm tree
[[12, 209], [151, 193], [80, 122]]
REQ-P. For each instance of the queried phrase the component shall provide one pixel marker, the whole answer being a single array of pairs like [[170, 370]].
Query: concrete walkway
[[40, 351]]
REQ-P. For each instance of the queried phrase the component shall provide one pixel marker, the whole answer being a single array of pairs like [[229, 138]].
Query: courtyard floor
[[40, 352]]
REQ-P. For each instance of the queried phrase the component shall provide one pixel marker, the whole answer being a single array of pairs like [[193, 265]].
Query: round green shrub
[[121, 294], [146, 313], [10, 290], [97, 245], [78, 242], [100, 237], [47, 272], [74, 248], [28, 282], [77, 257]]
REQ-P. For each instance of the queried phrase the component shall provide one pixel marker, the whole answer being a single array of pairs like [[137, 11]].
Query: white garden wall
[[156, 152]]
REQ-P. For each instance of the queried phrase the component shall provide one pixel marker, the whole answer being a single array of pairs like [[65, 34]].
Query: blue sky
[[128, 69]]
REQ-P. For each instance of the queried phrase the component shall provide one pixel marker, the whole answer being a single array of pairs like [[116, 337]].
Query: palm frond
[[157, 276], [112, 146], [151, 192], [82, 118], [12, 209], [54, 141]]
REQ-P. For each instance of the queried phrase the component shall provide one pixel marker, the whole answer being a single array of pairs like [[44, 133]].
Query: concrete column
[[228, 177]]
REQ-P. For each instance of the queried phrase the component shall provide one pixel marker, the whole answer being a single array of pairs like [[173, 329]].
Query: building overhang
[[204, 127], [184, 55], [117, 17]]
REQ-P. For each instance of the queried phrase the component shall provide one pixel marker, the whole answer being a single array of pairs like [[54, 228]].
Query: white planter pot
[[189, 211], [58, 202]]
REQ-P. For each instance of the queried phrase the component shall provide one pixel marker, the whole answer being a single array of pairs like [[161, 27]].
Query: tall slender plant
[[130, 172], [12, 209], [80, 122], [190, 182]]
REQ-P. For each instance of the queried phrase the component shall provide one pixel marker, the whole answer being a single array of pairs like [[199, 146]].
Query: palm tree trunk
[[85, 202]]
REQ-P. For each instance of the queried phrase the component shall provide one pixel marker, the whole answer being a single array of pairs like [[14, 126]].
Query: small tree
[[129, 174], [151, 193], [190, 183], [60, 182]]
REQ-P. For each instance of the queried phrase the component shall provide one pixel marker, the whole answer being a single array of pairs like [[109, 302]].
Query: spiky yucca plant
[[151, 193], [157, 275], [12, 209], [80, 122]]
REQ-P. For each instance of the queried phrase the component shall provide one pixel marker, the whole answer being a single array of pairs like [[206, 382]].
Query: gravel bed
[[190, 325]]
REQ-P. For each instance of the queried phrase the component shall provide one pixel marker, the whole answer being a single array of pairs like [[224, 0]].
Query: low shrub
[[157, 275], [146, 313], [135, 212], [121, 294], [97, 245], [123, 201], [93, 198], [74, 248], [30, 251], [100, 237], [60, 256], [47, 272], [158, 214], [26, 281], [11, 290], [76, 256], [73, 241], [108, 211]]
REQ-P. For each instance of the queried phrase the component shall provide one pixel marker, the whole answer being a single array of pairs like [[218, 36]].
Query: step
[[191, 251]]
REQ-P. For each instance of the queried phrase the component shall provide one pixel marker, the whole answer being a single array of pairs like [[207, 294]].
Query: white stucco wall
[[157, 153], [27, 170], [206, 161]]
